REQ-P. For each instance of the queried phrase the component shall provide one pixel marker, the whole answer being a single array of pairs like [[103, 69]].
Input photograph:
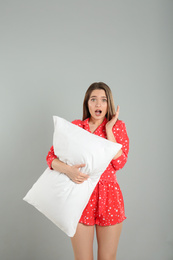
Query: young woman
[[105, 209]]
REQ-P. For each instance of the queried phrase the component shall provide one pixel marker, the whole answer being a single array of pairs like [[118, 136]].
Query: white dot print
[[105, 206]]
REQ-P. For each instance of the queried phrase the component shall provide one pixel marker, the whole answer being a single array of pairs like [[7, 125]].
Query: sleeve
[[50, 157], [78, 123], [120, 133]]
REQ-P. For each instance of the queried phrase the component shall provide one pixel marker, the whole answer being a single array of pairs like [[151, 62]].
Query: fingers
[[80, 165], [80, 177], [117, 113], [83, 176]]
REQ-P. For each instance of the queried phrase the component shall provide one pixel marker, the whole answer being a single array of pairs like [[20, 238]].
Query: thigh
[[108, 238], [82, 242]]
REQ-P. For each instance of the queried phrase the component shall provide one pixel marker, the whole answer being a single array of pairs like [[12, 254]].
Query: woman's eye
[[93, 99], [104, 100]]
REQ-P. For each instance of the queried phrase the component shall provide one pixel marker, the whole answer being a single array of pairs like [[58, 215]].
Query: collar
[[101, 126]]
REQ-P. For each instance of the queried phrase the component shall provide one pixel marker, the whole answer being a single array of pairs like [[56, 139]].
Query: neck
[[97, 122]]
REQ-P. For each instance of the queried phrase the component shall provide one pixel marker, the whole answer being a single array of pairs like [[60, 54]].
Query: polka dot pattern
[[106, 205]]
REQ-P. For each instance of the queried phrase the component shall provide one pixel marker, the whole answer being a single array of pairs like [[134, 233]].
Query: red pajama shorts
[[105, 206]]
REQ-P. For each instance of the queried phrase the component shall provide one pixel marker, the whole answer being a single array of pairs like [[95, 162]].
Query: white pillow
[[54, 194]]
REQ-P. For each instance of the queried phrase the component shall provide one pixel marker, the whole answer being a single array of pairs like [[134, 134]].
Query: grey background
[[50, 52]]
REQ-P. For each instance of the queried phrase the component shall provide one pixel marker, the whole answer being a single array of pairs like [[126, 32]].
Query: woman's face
[[97, 104]]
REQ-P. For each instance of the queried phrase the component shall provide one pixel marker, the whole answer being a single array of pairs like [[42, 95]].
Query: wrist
[[65, 168], [108, 129], [110, 135]]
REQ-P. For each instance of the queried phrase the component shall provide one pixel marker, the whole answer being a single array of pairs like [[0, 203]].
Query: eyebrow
[[96, 96]]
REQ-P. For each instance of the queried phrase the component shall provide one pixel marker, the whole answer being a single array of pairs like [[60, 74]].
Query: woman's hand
[[112, 122], [73, 172], [110, 135], [75, 175]]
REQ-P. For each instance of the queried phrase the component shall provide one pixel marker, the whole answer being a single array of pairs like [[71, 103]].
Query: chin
[[99, 117]]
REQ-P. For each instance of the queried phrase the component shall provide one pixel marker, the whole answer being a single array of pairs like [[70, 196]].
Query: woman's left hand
[[112, 122]]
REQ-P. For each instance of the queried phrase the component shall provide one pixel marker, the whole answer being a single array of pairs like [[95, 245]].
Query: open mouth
[[98, 112]]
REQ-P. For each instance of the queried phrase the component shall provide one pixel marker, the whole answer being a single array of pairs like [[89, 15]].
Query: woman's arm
[[116, 132], [73, 172], [119, 135], [50, 157], [109, 130], [111, 137]]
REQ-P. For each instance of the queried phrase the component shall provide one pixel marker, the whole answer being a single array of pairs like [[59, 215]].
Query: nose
[[98, 103]]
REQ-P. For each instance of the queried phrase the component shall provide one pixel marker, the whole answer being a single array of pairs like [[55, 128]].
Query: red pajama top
[[110, 205]]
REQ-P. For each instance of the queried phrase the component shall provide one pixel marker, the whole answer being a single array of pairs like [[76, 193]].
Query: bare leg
[[108, 238], [82, 242]]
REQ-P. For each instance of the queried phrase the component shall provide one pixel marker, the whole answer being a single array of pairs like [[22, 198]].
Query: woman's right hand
[[76, 175], [73, 172]]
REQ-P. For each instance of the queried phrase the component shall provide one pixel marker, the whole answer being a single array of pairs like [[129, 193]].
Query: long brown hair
[[108, 92]]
